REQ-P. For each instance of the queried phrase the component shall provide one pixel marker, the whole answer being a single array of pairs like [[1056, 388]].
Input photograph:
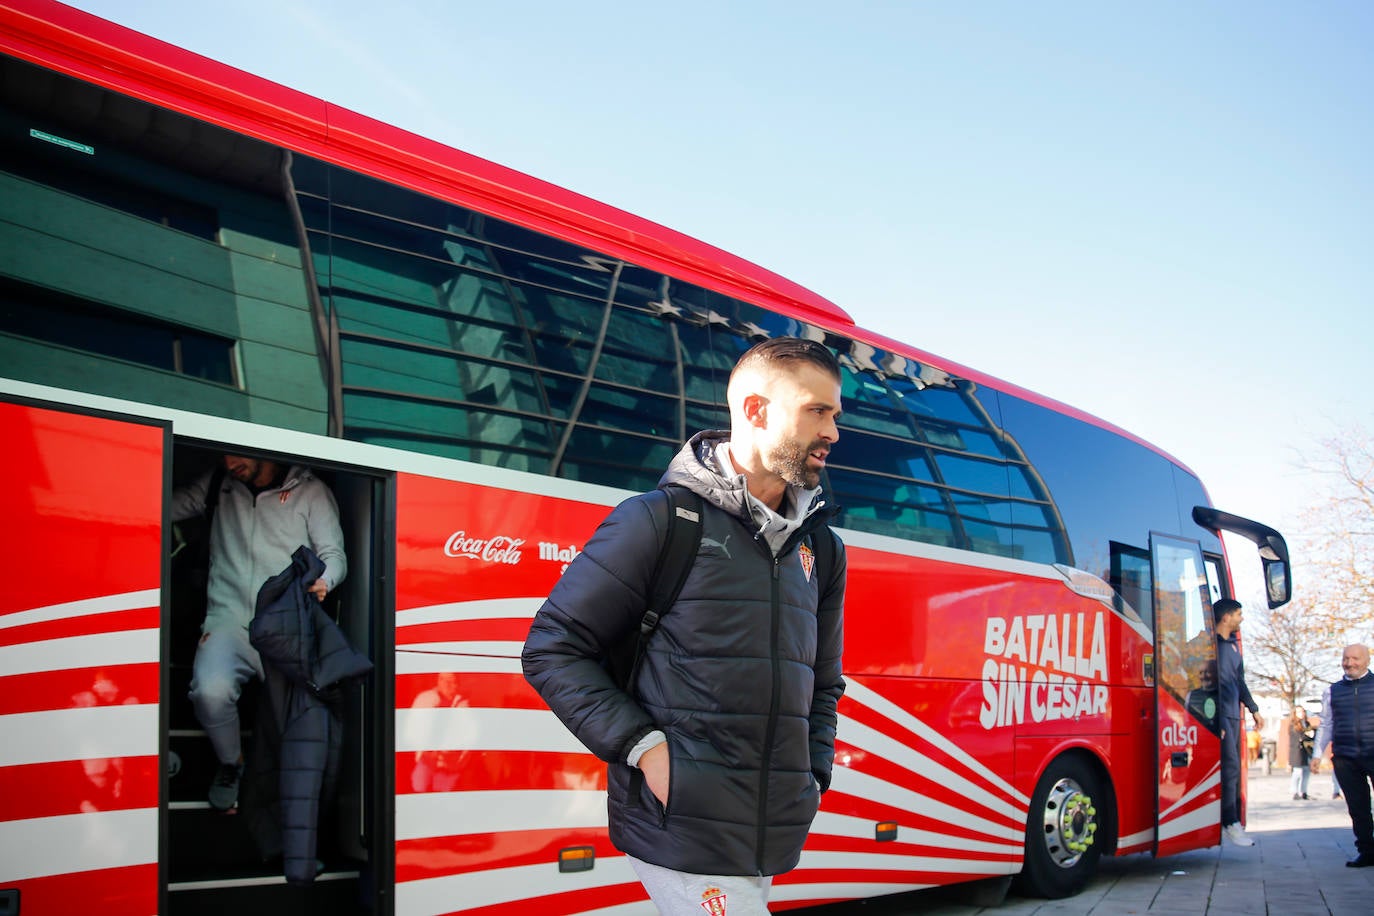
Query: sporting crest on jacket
[[713, 901], [808, 560]]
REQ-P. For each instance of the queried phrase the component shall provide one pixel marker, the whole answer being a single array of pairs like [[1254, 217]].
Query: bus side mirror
[[1278, 575], [1273, 550]]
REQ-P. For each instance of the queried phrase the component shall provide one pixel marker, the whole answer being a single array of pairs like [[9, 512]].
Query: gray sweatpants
[[678, 893], [224, 662]]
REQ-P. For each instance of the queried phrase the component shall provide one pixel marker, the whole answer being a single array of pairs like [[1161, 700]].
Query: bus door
[[80, 642], [220, 863], [1188, 749]]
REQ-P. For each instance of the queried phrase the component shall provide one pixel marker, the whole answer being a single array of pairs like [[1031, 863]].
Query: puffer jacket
[[742, 675], [295, 761], [1351, 717]]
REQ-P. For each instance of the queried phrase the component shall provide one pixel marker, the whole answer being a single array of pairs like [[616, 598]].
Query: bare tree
[[1288, 649], [1338, 536], [1297, 647]]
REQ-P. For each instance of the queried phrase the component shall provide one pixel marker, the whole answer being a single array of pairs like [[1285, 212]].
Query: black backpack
[[677, 510]]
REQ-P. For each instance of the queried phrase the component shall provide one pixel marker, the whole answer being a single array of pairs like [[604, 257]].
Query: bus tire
[[1062, 848]]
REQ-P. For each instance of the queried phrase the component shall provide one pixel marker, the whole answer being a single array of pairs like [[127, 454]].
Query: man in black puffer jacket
[[720, 748]]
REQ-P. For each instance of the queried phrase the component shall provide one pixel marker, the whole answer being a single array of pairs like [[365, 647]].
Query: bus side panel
[[965, 681], [80, 616], [910, 752], [1189, 794], [489, 784]]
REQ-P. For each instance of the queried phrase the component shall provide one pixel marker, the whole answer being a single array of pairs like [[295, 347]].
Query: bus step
[[332, 894], [208, 843]]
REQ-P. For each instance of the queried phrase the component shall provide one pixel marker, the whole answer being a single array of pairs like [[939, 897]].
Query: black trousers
[[1354, 774], [1230, 771]]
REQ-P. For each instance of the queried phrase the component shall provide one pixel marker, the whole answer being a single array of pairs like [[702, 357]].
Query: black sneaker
[[224, 791]]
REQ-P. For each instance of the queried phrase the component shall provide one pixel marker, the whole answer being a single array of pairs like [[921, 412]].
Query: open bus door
[[1188, 747], [80, 642]]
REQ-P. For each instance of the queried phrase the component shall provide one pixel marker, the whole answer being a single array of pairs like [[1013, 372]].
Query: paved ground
[[1296, 868]]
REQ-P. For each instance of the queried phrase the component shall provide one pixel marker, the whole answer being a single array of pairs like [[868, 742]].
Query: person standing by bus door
[[264, 511], [720, 749], [1348, 727], [1231, 694]]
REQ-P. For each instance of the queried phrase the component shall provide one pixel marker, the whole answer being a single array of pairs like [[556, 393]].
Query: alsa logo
[[1175, 735], [498, 549]]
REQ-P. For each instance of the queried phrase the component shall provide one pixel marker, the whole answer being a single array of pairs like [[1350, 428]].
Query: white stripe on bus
[[43, 846], [829, 860], [1209, 815], [105, 604], [417, 658], [856, 691], [861, 828], [870, 788], [1208, 782], [98, 650], [473, 890], [484, 728], [885, 747], [492, 648], [486, 609], [92, 732], [423, 815]]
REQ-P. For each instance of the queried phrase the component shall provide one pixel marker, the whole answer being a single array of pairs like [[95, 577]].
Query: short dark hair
[[1223, 607], [779, 351]]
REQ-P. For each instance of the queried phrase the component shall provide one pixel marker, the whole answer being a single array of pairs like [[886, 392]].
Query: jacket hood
[[698, 468]]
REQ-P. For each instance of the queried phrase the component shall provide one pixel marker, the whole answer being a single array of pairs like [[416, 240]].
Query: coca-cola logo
[[498, 549]]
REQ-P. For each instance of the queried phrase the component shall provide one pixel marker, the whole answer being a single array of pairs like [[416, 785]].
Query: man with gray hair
[[1348, 726]]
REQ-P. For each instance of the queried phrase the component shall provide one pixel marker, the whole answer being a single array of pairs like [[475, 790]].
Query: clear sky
[[1161, 213]]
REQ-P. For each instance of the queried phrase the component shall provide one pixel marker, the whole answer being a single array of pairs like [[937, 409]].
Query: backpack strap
[[212, 494], [677, 510]]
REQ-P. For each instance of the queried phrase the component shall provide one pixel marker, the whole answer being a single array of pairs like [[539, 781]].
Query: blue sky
[[1161, 213]]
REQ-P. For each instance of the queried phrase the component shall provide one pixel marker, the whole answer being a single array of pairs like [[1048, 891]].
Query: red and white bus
[[195, 261]]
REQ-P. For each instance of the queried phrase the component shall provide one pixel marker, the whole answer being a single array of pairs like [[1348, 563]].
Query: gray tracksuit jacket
[[253, 537]]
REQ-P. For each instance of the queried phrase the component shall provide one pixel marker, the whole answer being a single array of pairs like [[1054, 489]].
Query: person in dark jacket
[[719, 749], [1232, 693], [1348, 726], [1300, 736]]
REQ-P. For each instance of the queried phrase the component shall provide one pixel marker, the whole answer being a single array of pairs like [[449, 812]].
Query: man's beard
[[788, 459]]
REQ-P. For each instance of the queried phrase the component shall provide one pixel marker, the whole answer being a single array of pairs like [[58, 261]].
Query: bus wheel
[[1061, 854]]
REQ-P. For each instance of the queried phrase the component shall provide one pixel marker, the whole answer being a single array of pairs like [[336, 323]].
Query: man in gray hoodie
[[264, 510]]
